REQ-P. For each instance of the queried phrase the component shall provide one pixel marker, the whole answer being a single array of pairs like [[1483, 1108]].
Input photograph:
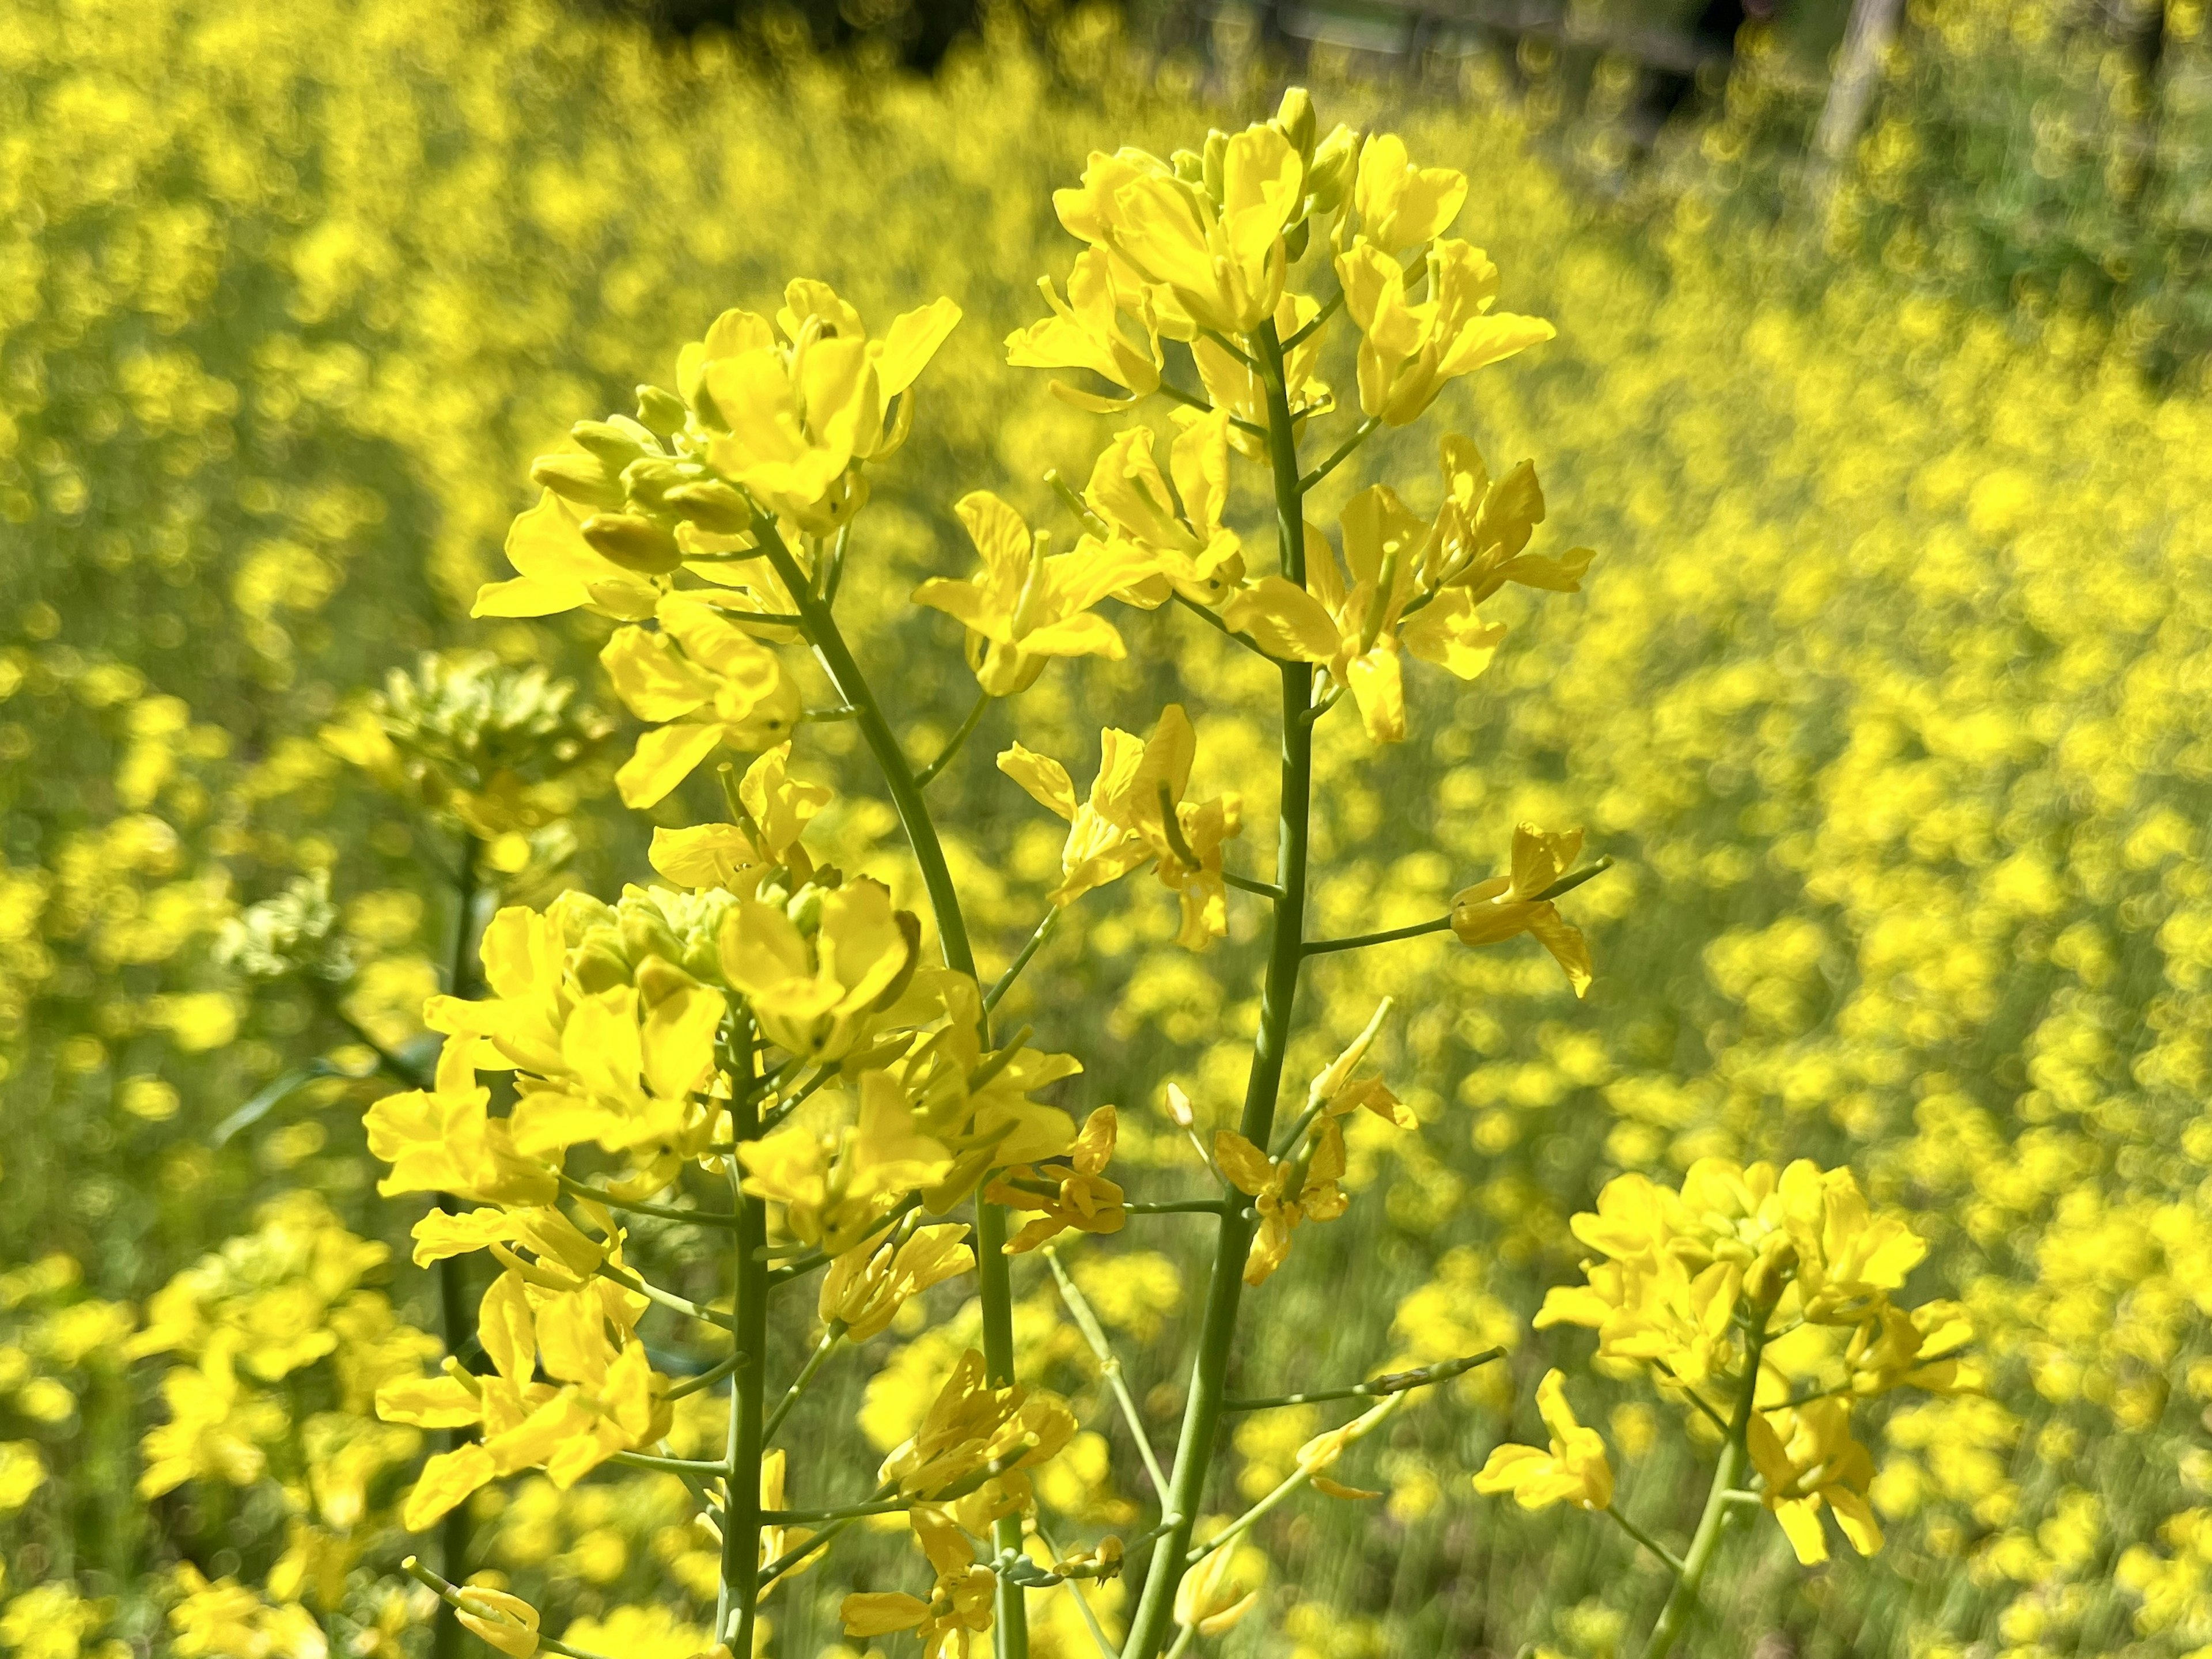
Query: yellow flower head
[[1087, 331], [959, 1604], [788, 410], [1286, 1191], [711, 681], [1027, 605], [1410, 350], [1071, 1193], [1574, 1471], [1479, 539], [866, 1287], [1176, 539], [1808, 1459], [1215, 244], [1504, 906], [1355, 631], [1136, 812], [822, 996]]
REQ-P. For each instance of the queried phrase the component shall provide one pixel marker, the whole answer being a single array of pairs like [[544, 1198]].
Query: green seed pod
[[578, 478], [661, 413], [634, 541]]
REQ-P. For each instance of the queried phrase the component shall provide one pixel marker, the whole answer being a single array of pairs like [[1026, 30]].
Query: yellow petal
[[665, 757]]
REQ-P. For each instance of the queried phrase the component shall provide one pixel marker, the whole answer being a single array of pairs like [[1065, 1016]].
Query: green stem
[[1150, 1632], [996, 1283], [1360, 433], [1697, 1560], [663, 1211], [830, 1337], [1322, 947], [923, 778], [1005, 983], [1673, 1561], [1110, 1367], [739, 1603], [454, 1532], [1401, 1383]]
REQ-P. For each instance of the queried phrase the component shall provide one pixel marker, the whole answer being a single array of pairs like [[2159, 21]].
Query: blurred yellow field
[[1859, 637]]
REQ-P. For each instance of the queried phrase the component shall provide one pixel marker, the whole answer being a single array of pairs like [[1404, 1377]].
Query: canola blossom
[[390, 1246]]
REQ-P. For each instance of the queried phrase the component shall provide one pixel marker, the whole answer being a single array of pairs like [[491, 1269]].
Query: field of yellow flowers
[[1885, 696]]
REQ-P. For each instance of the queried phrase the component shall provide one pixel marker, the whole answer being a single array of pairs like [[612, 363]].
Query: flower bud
[[661, 413], [599, 965], [648, 479], [1179, 1106], [578, 478], [713, 506], [617, 442], [634, 541], [1776, 1263], [1294, 116], [1217, 152], [659, 979]]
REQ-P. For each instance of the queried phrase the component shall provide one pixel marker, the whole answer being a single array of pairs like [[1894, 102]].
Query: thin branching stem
[[952, 745], [1110, 1367], [1379, 1387]]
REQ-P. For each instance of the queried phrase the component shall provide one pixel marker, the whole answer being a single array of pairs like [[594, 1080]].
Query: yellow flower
[[1286, 1191], [970, 1427], [1123, 823], [1806, 1458], [1215, 1594], [1085, 331], [1337, 1091], [1574, 1471], [835, 1187], [1028, 606], [504, 1620], [866, 1287], [821, 997], [1504, 906], [1480, 533], [1400, 205], [1221, 258], [557, 570], [959, 1604], [1081, 1198], [444, 1140], [603, 1399], [1182, 544], [698, 666], [787, 416], [1408, 350], [632, 1059], [1235, 387], [1893, 1349], [735, 857], [1355, 633]]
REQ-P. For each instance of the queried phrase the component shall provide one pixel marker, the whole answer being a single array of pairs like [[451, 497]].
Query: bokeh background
[[1879, 389]]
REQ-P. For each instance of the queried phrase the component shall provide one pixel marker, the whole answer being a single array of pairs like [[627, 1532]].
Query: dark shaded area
[[918, 32]]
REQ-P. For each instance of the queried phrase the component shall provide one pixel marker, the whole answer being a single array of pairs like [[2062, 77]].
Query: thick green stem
[[1682, 1605], [995, 1283], [738, 1605], [1202, 1411], [448, 1640]]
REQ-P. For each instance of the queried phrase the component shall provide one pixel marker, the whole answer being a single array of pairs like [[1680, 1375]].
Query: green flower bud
[[661, 413], [599, 965], [634, 541], [650, 477], [659, 979], [1217, 152], [645, 934], [714, 505], [616, 442], [578, 478], [1294, 116]]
